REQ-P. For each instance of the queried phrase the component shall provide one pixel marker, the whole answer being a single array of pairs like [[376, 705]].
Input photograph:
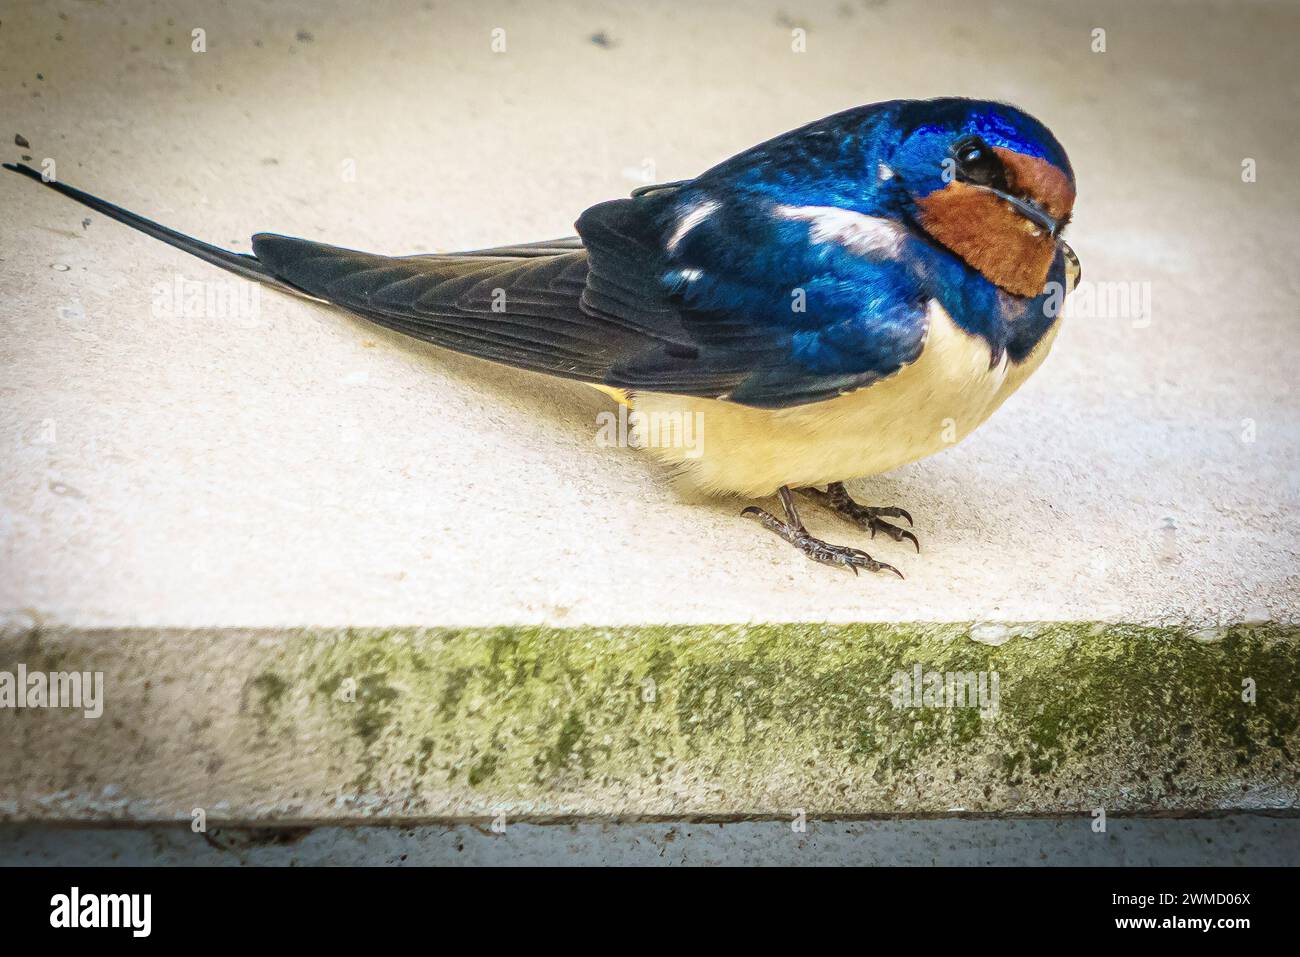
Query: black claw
[[827, 554], [814, 548], [894, 532], [888, 513], [838, 500]]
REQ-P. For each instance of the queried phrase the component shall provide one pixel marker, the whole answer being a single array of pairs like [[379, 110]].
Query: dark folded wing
[[675, 290], [749, 300], [519, 310]]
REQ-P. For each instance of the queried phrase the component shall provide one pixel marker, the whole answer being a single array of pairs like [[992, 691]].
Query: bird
[[833, 303]]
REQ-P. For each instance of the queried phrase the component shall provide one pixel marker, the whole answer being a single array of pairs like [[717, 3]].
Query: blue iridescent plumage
[[807, 316]]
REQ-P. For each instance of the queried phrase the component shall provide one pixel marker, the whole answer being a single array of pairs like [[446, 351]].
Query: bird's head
[[988, 182]]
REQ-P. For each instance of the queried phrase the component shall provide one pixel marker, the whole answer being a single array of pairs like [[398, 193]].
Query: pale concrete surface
[[298, 468], [1237, 840]]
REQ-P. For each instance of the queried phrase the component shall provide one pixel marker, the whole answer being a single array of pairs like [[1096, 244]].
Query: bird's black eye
[[977, 163]]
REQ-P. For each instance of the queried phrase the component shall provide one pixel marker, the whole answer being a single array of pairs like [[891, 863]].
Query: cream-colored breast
[[923, 408]]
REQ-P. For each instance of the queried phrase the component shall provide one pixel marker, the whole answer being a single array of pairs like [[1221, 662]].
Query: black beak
[[1032, 212]]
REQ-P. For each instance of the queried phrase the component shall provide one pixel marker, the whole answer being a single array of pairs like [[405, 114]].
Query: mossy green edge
[[514, 712]]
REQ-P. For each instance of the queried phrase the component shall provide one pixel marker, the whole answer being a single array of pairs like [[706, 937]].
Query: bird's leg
[[837, 499], [792, 531]]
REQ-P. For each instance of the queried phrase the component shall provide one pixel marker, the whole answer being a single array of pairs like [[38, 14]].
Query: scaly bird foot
[[837, 499], [794, 532]]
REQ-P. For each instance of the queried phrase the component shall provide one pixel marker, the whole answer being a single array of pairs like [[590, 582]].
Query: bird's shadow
[[565, 409]]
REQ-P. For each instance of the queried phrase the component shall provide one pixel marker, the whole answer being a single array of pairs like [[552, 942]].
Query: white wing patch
[[856, 232], [689, 220]]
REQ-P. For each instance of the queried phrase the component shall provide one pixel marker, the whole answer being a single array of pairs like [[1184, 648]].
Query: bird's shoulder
[[761, 299]]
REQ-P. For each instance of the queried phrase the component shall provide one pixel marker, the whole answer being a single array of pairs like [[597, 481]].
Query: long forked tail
[[241, 264], [451, 300]]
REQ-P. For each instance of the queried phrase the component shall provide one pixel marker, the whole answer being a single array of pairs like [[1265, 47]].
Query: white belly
[[921, 409]]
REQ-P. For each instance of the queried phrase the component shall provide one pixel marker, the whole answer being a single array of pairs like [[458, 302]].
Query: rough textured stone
[[298, 467], [1252, 840], [228, 493], [703, 722]]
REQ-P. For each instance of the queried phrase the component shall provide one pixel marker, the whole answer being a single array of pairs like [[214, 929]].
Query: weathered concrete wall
[[1242, 839], [727, 722], [169, 482]]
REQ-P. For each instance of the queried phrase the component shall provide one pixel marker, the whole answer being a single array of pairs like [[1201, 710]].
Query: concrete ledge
[[1233, 840], [640, 722], [246, 475], [296, 466]]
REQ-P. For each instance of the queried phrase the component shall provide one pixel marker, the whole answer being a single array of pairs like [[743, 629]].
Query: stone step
[[730, 722]]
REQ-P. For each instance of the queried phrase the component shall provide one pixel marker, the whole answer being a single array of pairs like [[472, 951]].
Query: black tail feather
[[520, 305], [241, 264]]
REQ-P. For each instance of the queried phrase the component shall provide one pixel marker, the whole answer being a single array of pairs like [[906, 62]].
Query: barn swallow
[[836, 302]]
